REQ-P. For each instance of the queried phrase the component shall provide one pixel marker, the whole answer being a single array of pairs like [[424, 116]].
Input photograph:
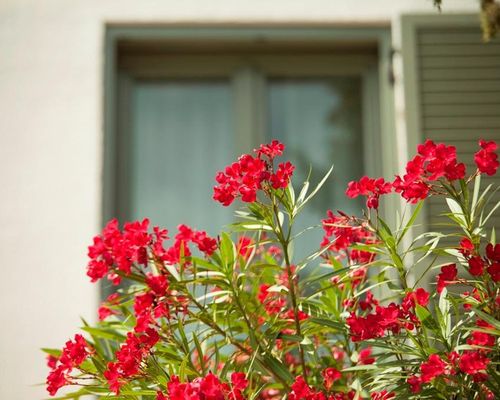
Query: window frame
[[379, 115]]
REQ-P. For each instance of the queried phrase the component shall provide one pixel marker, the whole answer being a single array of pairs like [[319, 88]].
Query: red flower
[[415, 384], [493, 252], [432, 368], [129, 358], [157, 283], [271, 150], [383, 395], [330, 375], [448, 274], [368, 302], [372, 188], [486, 158], [300, 389], [466, 246], [51, 361], [476, 266], [364, 356], [432, 162], [239, 381], [479, 338], [245, 177], [282, 176], [346, 232], [73, 354], [473, 362], [245, 246], [419, 296], [56, 380], [494, 271]]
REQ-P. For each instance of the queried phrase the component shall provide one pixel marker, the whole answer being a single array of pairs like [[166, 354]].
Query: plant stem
[[285, 241]]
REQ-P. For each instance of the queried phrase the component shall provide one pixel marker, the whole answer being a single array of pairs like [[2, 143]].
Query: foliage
[[490, 17], [236, 317]]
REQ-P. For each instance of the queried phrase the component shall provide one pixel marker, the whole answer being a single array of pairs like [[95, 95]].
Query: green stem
[[285, 241]]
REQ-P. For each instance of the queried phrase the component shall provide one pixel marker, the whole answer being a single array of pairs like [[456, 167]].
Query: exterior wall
[[51, 118]]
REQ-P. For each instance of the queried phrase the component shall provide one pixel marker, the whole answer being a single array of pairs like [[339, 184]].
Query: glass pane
[[181, 135], [319, 120]]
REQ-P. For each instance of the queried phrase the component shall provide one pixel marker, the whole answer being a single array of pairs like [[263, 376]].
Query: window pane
[[319, 120], [181, 135]]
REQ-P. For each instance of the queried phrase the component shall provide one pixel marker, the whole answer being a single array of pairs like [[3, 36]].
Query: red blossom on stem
[[74, 353], [369, 187], [433, 161], [250, 174], [486, 159], [448, 274]]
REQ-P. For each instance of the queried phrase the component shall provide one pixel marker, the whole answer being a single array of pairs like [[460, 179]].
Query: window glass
[[320, 121], [182, 133]]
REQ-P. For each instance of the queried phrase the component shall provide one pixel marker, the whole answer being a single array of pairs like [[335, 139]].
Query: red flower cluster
[[383, 395], [273, 302], [486, 159], [391, 318], [104, 310], [369, 187], [479, 265], [341, 232], [432, 162], [448, 275], [206, 388], [330, 375], [481, 338], [472, 363], [249, 174], [114, 250], [302, 391], [376, 324], [72, 356], [129, 358]]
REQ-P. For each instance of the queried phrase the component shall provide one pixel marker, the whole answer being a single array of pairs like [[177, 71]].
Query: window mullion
[[249, 100]]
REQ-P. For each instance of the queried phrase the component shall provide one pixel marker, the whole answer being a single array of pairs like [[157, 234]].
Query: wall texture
[[51, 90]]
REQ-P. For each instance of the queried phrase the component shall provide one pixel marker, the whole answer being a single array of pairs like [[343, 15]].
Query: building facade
[[89, 88]]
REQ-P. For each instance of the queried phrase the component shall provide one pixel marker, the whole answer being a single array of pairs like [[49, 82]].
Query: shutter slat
[[447, 37], [446, 74], [461, 86], [469, 134], [471, 98], [460, 50], [483, 122], [460, 62], [453, 110]]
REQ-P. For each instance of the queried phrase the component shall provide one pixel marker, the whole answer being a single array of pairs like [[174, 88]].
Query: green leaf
[[104, 333], [457, 212], [488, 318], [475, 194], [411, 221], [52, 352], [425, 317], [277, 367], [335, 325], [313, 193]]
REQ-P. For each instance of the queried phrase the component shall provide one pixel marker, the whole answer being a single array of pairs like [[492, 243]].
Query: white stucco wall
[[51, 56]]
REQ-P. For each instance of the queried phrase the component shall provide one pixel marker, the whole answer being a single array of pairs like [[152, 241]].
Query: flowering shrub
[[235, 317]]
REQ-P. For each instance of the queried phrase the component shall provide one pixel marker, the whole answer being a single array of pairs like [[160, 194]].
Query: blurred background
[[127, 109]]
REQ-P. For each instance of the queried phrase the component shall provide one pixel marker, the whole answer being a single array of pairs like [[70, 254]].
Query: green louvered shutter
[[455, 77]]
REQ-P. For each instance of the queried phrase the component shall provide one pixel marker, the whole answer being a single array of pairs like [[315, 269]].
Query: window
[[186, 108]]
